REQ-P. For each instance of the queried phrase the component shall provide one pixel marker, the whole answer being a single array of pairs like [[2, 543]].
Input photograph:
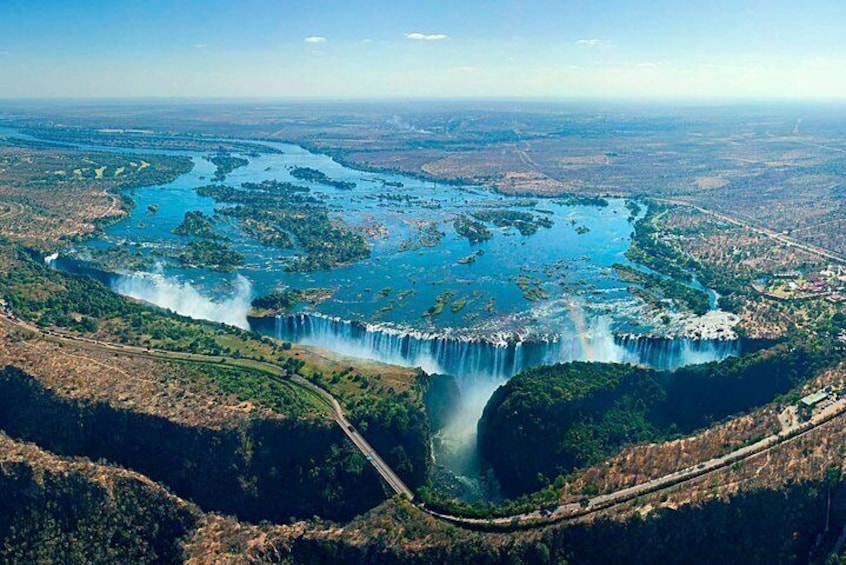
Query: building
[[787, 275], [808, 403]]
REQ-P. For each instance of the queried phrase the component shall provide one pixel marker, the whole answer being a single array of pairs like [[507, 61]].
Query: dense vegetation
[[260, 226], [582, 200], [687, 297], [308, 174], [225, 164], [393, 418], [82, 515], [394, 422], [523, 222], [196, 223], [474, 231], [36, 293], [271, 210], [264, 469], [51, 298], [209, 254], [327, 242], [761, 526], [650, 250], [399, 430], [279, 302], [550, 420]]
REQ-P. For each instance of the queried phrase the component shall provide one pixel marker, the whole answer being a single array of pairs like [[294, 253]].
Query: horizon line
[[681, 100]]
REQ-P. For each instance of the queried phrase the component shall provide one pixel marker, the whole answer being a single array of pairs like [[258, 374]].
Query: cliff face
[[400, 433], [59, 511], [759, 526], [442, 398], [264, 469], [401, 429], [762, 526], [551, 420]]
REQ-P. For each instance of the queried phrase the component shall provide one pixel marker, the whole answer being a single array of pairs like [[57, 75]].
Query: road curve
[[567, 512], [390, 477], [14, 209], [572, 511]]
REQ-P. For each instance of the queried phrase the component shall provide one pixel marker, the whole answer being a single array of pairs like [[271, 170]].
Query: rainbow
[[578, 320]]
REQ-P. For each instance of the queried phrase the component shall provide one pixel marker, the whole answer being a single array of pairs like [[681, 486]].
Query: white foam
[[183, 298]]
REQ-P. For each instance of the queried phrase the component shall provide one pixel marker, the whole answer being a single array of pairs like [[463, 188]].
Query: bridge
[[566, 512]]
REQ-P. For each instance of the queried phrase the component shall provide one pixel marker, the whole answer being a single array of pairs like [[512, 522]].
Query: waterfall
[[481, 365], [185, 299], [672, 353], [496, 360]]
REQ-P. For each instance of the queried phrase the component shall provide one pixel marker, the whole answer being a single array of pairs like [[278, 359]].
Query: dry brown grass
[[126, 382], [746, 255], [49, 194]]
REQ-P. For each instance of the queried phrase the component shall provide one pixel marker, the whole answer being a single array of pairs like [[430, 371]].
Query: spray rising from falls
[[481, 365], [495, 360], [183, 298]]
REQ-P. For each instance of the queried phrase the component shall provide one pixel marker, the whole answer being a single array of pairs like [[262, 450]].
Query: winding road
[[575, 510], [563, 513], [12, 209], [390, 477]]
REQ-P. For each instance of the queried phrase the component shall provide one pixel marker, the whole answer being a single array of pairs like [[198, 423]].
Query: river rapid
[[514, 301]]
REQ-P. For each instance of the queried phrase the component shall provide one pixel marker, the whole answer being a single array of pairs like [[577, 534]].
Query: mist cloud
[[185, 299]]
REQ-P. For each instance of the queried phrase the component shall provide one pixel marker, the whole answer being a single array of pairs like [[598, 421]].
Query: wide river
[[513, 301]]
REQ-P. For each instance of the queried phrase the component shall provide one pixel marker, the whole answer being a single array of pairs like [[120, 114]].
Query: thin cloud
[[200, 45], [591, 42], [315, 39], [464, 69], [417, 36]]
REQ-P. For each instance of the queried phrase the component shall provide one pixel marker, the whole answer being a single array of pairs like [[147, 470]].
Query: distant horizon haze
[[334, 50]]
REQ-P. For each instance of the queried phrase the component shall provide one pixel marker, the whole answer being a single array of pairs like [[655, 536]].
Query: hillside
[[58, 510], [552, 420]]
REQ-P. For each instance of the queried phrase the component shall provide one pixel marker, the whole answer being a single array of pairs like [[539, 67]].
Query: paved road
[[573, 511], [384, 470], [563, 513], [780, 237]]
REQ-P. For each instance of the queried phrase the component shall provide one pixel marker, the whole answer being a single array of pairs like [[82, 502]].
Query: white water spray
[[480, 365], [183, 298]]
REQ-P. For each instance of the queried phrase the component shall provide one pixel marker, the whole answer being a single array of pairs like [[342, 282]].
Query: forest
[[308, 174], [225, 164], [270, 210], [551, 420], [197, 224]]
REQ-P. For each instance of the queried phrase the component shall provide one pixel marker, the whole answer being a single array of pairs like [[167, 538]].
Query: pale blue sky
[[496, 48]]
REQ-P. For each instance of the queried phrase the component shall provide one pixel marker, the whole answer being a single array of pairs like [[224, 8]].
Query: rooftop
[[814, 398]]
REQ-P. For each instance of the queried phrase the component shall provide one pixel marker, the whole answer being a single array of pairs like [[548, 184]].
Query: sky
[[338, 49]]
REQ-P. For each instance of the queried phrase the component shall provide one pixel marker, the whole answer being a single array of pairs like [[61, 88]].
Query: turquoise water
[[565, 264], [376, 307]]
